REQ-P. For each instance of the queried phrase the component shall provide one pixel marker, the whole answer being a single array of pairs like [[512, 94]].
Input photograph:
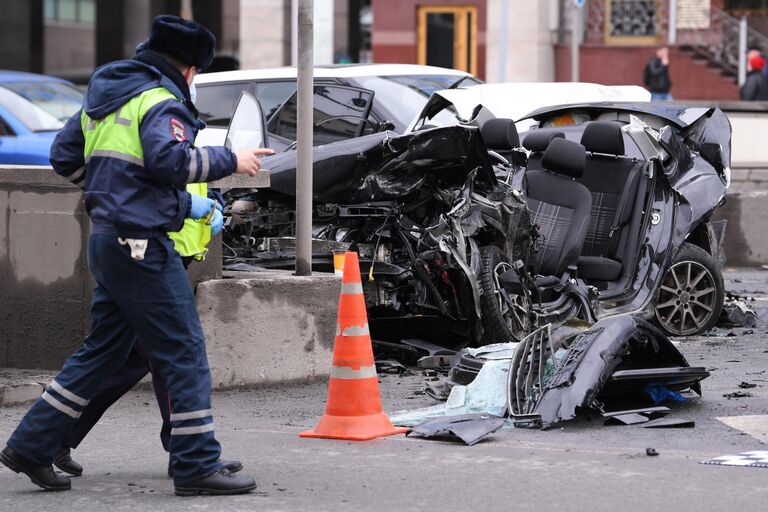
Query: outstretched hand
[[248, 161]]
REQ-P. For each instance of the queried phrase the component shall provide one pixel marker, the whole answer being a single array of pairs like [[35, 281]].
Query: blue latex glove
[[201, 206], [217, 223]]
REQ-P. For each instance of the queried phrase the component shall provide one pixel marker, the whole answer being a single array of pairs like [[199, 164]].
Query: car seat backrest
[[559, 206], [500, 134], [537, 142], [612, 179], [603, 137], [564, 157]]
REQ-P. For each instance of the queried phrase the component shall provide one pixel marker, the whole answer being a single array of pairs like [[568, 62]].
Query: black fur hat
[[186, 40]]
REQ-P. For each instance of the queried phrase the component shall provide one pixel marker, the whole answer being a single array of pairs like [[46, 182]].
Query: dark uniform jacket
[[755, 87], [134, 158]]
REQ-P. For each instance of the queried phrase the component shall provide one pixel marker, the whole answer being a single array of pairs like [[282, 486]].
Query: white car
[[400, 92], [513, 100]]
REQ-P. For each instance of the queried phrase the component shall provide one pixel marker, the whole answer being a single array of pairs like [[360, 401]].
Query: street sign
[[579, 3]]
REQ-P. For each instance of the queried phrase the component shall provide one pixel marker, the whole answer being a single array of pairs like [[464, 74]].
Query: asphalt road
[[581, 466]]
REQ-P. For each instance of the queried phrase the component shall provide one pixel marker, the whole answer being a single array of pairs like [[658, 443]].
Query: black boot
[[64, 462], [219, 483], [40, 474], [233, 466]]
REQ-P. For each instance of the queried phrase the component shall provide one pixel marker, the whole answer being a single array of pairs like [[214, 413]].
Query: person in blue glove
[[131, 149], [191, 244]]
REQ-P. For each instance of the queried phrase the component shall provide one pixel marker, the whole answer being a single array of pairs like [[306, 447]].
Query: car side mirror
[[247, 129]]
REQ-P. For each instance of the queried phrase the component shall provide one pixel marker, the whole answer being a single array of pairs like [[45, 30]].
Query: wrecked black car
[[426, 213], [468, 237], [623, 220]]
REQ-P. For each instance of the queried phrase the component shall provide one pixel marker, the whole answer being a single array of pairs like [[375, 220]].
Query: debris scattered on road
[[753, 459], [736, 313], [737, 394], [434, 361], [670, 423], [470, 428], [651, 452], [634, 416], [626, 419], [391, 367], [747, 385], [487, 394]]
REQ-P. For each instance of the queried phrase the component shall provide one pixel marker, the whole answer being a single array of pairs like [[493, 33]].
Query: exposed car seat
[[559, 206], [537, 142], [612, 180], [500, 135]]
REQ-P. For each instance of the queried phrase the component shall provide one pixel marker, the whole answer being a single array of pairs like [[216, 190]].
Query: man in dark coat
[[656, 75], [755, 87]]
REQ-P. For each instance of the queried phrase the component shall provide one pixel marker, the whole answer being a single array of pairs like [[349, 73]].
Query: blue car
[[33, 108]]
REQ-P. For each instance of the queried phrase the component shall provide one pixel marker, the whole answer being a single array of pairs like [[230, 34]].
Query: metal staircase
[[718, 45]]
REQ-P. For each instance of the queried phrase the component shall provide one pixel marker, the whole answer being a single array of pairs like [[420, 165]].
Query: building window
[[631, 21], [70, 11], [447, 37]]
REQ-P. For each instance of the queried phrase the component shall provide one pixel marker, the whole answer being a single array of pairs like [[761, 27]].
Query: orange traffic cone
[[354, 409]]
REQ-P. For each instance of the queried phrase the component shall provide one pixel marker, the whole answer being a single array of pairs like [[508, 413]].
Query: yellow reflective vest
[[194, 236]]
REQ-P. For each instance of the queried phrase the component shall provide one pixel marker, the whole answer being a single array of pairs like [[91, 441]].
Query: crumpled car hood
[[382, 166]]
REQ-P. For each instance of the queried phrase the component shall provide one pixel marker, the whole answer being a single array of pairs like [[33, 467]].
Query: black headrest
[[500, 134], [538, 140], [565, 157], [603, 137]]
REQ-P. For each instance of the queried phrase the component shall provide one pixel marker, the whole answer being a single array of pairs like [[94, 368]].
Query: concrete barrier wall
[[45, 287], [269, 327]]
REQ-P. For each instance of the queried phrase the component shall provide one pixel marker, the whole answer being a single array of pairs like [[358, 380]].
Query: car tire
[[501, 322], [691, 294]]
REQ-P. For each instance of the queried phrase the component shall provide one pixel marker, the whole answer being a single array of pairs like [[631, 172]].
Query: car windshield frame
[[410, 90], [40, 105]]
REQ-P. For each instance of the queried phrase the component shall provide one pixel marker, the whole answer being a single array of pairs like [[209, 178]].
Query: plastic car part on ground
[[548, 378], [591, 358], [736, 313], [470, 428]]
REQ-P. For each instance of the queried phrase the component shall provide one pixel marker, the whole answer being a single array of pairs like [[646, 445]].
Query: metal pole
[[304, 137], [294, 32], [672, 30], [575, 36], [503, 33], [186, 9], [742, 50]]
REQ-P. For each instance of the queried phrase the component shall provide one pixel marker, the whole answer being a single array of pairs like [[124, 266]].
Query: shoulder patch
[[177, 130]]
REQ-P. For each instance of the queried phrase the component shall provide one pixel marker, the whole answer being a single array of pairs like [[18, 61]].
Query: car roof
[[22, 76], [330, 71]]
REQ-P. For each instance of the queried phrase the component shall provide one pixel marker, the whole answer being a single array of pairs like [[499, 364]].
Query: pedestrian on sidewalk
[[755, 86], [656, 75], [131, 148]]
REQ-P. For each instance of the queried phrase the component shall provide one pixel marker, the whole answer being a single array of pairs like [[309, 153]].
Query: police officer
[[191, 244], [134, 137]]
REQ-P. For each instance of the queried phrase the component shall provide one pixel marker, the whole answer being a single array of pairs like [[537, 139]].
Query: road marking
[[754, 425]]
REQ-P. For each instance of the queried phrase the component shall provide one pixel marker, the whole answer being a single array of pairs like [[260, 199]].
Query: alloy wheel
[[687, 298]]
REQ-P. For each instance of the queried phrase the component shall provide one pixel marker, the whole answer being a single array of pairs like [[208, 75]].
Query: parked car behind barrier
[[33, 108], [400, 91]]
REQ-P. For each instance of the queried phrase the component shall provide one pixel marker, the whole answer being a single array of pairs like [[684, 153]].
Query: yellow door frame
[[612, 40], [461, 52]]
